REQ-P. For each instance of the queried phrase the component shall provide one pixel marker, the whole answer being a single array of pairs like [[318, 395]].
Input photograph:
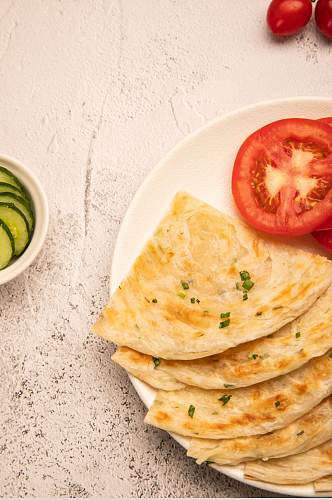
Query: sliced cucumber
[[7, 246], [17, 225], [22, 205], [8, 188], [9, 178]]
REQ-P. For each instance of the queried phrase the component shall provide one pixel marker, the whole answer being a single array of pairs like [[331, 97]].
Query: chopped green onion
[[277, 404], [253, 356], [298, 335], [197, 301], [245, 296], [228, 386], [248, 284], [191, 411], [225, 398], [193, 300], [225, 323], [156, 362], [244, 275], [208, 462], [182, 295], [185, 285], [154, 301], [225, 315]]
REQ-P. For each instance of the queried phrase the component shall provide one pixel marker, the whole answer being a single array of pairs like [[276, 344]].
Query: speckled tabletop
[[93, 94]]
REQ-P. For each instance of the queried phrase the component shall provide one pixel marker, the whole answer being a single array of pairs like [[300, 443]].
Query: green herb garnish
[[193, 300], [300, 433], [277, 404], [197, 301], [156, 362], [259, 313], [248, 284], [228, 386], [208, 462], [225, 323], [298, 335], [244, 275], [154, 301], [225, 398], [182, 295], [185, 285], [191, 411], [245, 296], [252, 356], [225, 315]]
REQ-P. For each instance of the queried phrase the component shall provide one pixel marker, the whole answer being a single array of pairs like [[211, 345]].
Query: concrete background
[[93, 94]]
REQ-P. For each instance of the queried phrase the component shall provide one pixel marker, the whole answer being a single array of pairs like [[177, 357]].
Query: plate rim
[[293, 490]]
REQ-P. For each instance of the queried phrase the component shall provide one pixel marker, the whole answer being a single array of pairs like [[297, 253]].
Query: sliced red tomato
[[327, 119], [282, 177], [324, 238]]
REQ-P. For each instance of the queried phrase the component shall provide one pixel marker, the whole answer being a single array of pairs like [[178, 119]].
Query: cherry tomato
[[323, 16], [282, 177], [286, 17]]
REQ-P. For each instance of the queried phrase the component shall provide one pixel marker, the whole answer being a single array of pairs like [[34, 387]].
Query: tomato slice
[[326, 119], [324, 238], [282, 176]]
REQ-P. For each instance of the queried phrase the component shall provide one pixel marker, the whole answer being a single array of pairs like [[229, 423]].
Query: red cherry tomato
[[282, 177], [286, 17], [323, 16]]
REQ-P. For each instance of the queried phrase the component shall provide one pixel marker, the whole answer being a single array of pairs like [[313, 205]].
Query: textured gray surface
[[92, 95]]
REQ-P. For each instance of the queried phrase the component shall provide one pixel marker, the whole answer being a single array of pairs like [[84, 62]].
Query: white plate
[[202, 165]]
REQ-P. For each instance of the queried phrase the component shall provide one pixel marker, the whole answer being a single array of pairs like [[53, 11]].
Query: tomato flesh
[[323, 17], [326, 119], [287, 17], [324, 238], [282, 177]]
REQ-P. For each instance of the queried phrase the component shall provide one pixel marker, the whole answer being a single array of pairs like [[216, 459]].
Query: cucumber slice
[[17, 225], [7, 247], [22, 205], [8, 188], [9, 178]]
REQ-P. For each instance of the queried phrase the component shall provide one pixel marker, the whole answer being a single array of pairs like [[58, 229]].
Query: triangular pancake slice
[[258, 409], [323, 484], [306, 337], [296, 469], [205, 283], [309, 431]]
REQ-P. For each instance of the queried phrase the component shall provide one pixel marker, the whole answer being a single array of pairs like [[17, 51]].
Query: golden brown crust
[[195, 243]]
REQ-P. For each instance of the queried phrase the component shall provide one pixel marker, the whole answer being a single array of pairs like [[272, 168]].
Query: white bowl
[[40, 205]]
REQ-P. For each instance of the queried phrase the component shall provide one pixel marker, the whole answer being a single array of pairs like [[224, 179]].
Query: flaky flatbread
[[258, 409], [306, 337], [323, 484], [185, 298], [296, 469], [309, 431]]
